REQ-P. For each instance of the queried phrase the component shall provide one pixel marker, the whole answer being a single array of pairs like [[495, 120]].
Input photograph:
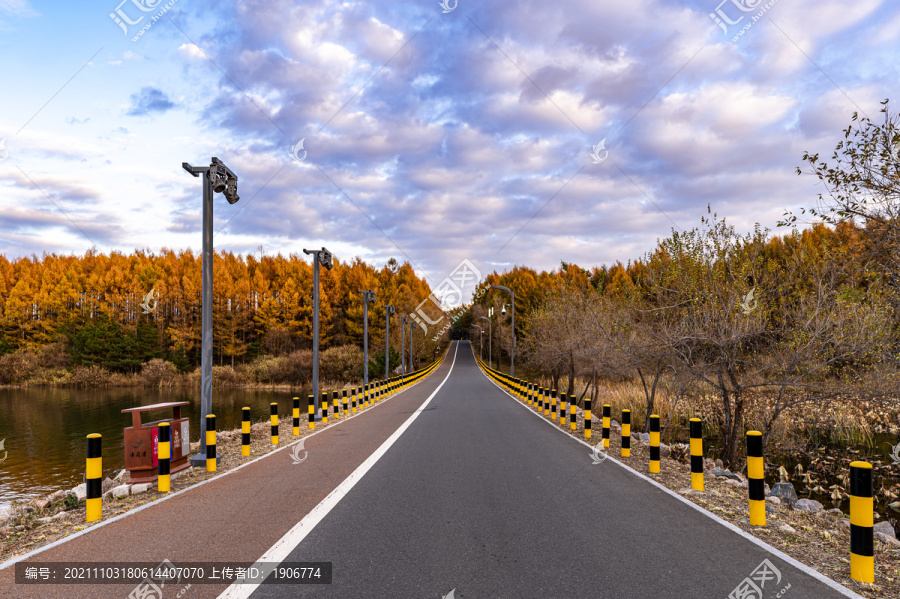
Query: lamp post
[[490, 341], [388, 312], [217, 178], [403, 320], [512, 309], [368, 296], [480, 340], [411, 364], [326, 259]]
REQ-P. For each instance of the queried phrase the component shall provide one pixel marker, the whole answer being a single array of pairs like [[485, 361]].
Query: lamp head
[[231, 193]]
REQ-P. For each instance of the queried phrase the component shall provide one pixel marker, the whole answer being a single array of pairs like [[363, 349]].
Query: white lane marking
[[783, 556], [292, 538], [103, 523]]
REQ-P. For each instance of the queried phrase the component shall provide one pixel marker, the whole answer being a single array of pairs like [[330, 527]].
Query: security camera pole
[[368, 296], [388, 311], [512, 309], [403, 320], [323, 257], [490, 337], [217, 178]]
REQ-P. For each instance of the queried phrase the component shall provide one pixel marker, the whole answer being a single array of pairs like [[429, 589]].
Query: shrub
[[342, 363], [89, 376], [225, 376], [296, 368], [264, 369], [53, 355], [160, 373], [18, 367]]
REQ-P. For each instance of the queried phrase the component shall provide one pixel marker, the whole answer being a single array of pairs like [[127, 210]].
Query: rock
[[645, 438], [766, 489], [785, 492], [770, 509], [28, 509], [614, 425], [107, 484], [40, 504], [80, 492], [664, 450], [845, 523], [733, 483], [5, 512], [719, 464], [773, 500], [121, 475], [140, 488], [58, 495], [726, 473], [708, 464], [885, 528], [808, 505], [895, 506], [787, 528], [887, 540], [119, 491]]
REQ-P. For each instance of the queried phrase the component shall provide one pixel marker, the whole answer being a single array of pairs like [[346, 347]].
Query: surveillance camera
[[503, 311], [231, 193], [217, 180], [326, 259]]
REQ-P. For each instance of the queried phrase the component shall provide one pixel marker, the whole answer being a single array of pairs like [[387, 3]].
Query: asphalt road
[[476, 495], [480, 497]]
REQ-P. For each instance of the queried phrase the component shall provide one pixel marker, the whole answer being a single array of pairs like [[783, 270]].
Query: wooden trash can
[[142, 443]]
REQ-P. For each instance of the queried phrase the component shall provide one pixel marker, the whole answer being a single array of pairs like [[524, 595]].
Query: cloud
[[148, 101]]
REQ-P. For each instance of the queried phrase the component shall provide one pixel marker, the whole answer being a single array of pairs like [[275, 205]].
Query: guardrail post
[[210, 443], [587, 417], [93, 477], [572, 413], [346, 408], [245, 431], [756, 478], [626, 433], [273, 420], [311, 408], [164, 454], [696, 426], [562, 409], [296, 416], [336, 407], [553, 405], [654, 444], [607, 412], [324, 405], [862, 538]]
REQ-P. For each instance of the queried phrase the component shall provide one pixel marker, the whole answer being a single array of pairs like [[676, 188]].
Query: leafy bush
[[342, 363], [89, 376], [296, 368], [160, 373], [18, 367]]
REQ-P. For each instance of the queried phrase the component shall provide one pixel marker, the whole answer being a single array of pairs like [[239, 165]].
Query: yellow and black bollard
[[626, 433], [756, 478], [607, 412], [365, 395], [164, 453], [587, 417], [311, 406], [323, 404], [295, 415], [245, 431], [210, 443], [93, 477], [336, 404], [572, 413], [346, 407], [862, 509], [553, 404], [654, 444], [696, 429], [354, 393], [562, 408], [273, 420]]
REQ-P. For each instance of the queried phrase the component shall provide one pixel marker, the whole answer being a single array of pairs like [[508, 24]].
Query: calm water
[[44, 429]]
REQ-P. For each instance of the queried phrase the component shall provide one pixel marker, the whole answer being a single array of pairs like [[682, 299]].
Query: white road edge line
[[292, 538], [783, 556], [103, 523]]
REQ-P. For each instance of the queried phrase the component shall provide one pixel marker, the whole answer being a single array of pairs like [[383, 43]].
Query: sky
[[500, 132]]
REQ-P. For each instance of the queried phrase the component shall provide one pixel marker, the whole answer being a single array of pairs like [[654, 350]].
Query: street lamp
[[368, 296], [217, 178], [512, 309], [326, 259], [490, 340], [480, 340], [388, 312], [403, 321], [411, 366]]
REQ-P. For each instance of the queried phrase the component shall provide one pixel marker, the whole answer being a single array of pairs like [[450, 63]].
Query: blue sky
[[429, 136]]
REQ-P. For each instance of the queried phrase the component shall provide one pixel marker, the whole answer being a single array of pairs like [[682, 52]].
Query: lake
[[43, 429]]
